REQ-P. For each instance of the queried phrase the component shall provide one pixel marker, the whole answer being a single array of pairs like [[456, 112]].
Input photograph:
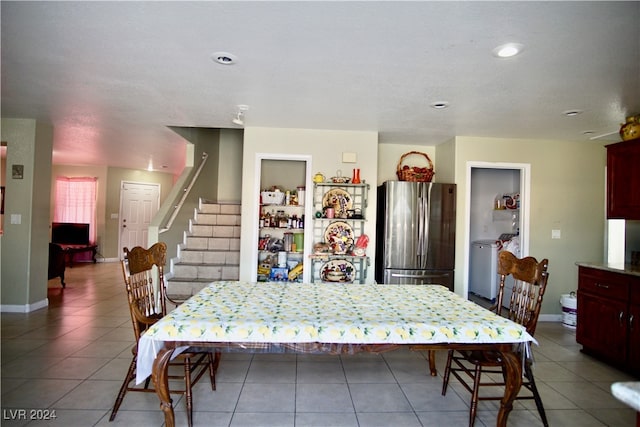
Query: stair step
[[219, 208], [210, 252], [200, 256], [213, 230], [181, 289], [209, 272], [213, 243], [205, 218]]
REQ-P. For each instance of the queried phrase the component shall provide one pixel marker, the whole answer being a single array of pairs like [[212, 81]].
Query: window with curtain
[[75, 201]]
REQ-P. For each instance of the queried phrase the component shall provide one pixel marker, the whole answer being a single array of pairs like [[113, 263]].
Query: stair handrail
[[185, 193]]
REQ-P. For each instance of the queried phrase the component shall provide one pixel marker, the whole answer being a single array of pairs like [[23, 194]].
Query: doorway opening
[[497, 217], [288, 173]]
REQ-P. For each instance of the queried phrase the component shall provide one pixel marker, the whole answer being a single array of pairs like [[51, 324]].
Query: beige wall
[[567, 190], [325, 148], [567, 193], [25, 245], [230, 167]]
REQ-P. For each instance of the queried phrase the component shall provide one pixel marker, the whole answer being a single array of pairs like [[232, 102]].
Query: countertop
[[623, 268]]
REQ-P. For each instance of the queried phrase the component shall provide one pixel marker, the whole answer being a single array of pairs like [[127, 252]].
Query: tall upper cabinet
[[623, 180]]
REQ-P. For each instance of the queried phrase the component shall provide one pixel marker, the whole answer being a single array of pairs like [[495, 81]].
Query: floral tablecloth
[[239, 312]]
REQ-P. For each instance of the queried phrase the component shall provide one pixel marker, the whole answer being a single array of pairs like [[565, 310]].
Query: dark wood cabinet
[[602, 331], [623, 180], [608, 317], [634, 328]]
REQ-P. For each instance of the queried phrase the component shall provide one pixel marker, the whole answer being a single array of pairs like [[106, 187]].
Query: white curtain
[[75, 201]]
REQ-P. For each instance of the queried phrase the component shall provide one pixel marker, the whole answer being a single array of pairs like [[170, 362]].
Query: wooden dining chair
[[146, 308], [530, 282]]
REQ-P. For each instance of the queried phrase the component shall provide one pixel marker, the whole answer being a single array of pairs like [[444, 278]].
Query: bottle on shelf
[[267, 220], [281, 219]]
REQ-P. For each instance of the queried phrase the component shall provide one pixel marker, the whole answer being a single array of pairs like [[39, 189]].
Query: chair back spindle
[[138, 268], [529, 284], [143, 271]]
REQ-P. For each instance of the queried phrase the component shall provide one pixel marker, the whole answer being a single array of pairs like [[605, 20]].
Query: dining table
[[283, 317]]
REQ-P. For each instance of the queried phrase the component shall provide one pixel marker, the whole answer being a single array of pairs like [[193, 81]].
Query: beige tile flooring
[[72, 356]]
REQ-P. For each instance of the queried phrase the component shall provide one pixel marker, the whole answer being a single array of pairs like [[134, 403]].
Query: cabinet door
[[634, 338], [602, 327], [623, 180]]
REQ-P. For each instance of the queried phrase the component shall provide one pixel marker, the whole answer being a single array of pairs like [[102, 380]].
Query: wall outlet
[[555, 234]]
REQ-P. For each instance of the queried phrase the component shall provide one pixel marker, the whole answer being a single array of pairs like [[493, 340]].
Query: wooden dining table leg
[[432, 363], [513, 382], [160, 377]]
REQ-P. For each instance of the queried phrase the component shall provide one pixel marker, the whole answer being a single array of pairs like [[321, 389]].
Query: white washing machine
[[483, 269]]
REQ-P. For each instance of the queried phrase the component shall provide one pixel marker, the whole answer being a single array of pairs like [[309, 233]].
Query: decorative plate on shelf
[[339, 236], [338, 199], [511, 201], [337, 270]]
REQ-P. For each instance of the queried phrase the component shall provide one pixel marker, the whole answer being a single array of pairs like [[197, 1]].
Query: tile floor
[[72, 357]]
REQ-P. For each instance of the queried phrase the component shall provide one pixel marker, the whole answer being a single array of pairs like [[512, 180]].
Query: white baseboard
[[27, 308], [550, 318]]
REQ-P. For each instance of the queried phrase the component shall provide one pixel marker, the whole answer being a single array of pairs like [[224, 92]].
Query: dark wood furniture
[[146, 310], [623, 180], [530, 281], [71, 250], [57, 263], [609, 316]]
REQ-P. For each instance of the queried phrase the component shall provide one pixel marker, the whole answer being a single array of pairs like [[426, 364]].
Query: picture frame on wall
[[17, 171]]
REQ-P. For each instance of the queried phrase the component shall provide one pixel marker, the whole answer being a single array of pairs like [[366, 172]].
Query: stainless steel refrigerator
[[415, 237]]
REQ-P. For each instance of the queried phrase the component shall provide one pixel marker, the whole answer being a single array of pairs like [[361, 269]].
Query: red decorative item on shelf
[[356, 176]]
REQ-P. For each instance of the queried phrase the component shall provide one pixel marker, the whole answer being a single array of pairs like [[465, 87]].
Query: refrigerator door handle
[[420, 230], [427, 219], [416, 276]]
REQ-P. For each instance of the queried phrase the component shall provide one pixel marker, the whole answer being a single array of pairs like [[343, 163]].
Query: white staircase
[[210, 250]]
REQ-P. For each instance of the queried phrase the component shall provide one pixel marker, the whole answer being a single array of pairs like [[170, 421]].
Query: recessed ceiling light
[[439, 105], [224, 58], [572, 113], [508, 50]]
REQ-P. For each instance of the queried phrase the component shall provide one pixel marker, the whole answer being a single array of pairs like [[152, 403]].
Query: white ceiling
[[113, 76]]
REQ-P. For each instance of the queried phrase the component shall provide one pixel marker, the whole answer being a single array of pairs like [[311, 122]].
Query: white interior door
[[139, 203]]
